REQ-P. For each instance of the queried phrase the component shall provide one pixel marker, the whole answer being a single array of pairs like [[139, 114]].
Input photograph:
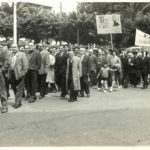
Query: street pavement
[[118, 118]]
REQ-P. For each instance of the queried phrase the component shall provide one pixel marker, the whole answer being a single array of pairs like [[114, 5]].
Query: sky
[[67, 5]]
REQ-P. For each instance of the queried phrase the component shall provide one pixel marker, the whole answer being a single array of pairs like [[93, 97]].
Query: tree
[[6, 21]]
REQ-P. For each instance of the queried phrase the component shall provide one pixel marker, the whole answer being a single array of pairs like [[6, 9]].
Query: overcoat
[[76, 72]]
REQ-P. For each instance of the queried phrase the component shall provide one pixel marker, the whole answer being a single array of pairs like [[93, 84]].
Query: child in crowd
[[103, 75]]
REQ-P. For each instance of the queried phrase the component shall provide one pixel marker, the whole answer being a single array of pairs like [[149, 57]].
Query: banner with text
[[108, 24], [142, 39]]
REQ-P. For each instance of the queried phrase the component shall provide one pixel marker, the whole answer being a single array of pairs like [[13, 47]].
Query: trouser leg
[[109, 79], [34, 83], [73, 93], [63, 86], [144, 78], [42, 79], [3, 92], [85, 84], [19, 92], [28, 80], [13, 82]]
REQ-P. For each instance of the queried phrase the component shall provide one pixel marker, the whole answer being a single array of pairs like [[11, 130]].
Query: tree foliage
[[39, 23]]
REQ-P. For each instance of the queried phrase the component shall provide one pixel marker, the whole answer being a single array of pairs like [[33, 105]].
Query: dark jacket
[[93, 62], [85, 65], [61, 63], [145, 65], [4, 60], [34, 58]]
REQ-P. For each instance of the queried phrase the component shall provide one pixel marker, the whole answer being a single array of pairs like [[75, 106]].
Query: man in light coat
[[73, 74], [19, 67]]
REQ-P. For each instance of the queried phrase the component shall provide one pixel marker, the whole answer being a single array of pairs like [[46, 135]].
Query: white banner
[[142, 39], [108, 24]]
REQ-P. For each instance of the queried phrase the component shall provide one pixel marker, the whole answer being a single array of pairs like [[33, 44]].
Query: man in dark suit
[[43, 71], [85, 73], [145, 70], [34, 59], [56, 66], [19, 67], [135, 69], [61, 66]]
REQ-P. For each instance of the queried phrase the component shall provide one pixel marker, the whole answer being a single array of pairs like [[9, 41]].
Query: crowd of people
[[71, 70]]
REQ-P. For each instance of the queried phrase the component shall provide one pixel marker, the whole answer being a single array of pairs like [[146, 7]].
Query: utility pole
[[78, 31], [15, 24], [60, 20]]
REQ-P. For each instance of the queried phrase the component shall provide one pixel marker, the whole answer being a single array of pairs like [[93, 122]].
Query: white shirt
[[51, 59], [13, 61], [82, 57]]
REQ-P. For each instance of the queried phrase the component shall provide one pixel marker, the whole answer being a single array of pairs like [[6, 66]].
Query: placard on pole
[[108, 24]]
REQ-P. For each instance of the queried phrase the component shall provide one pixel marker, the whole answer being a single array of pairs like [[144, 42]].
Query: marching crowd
[[42, 68]]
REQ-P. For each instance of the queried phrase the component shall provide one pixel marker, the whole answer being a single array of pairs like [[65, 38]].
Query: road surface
[[119, 118]]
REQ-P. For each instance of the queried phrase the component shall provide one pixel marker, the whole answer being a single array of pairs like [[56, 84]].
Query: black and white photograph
[[74, 73]]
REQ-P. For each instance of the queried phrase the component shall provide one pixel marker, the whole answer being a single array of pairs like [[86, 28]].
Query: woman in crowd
[[50, 78]]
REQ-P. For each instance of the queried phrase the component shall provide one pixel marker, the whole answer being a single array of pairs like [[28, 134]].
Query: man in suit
[[61, 66], [19, 67], [34, 59], [135, 65], [145, 70], [3, 68], [43, 71], [85, 73], [57, 65]]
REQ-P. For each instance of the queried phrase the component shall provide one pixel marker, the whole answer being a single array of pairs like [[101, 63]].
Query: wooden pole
[[60, 20], [15, 24], [78, 37], [112, 46]]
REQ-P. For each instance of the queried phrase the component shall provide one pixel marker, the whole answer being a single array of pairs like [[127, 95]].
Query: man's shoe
[[88, 95], [13, 105], [17, 106], [61, 98], [41, 97], [27, 97], [143, 87], [111, 89], [81, 95], [4, 110], [98, 89], [31, 101], [70, 100]]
